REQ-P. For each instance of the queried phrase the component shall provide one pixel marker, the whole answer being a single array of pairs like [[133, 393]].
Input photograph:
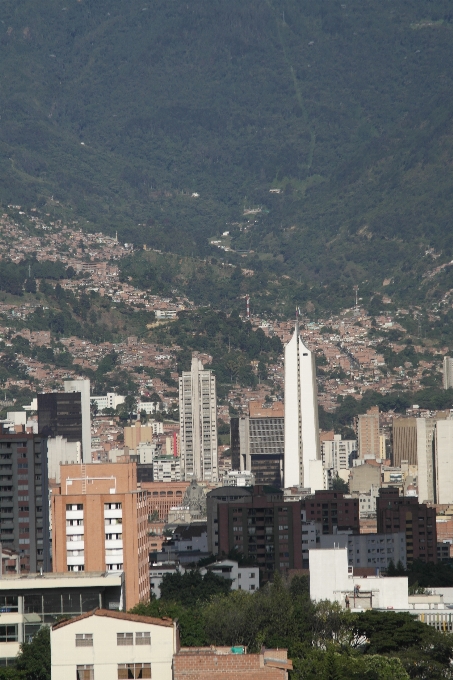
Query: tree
[[34, 656], [340, 485]]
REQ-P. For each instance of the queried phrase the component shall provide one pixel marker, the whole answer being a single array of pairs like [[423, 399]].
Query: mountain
[[117, 113]]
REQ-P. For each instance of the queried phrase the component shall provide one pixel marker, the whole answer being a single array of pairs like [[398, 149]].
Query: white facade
[[332, 579], [147, 451], [448, 373], [149, 406], [335, 453], [198, 423], [425, 459], [369, 550], [83, 386], [301, 416], [109, 400], [103, 645], [444, 461], [238, 478], [59, 452], [242, 578]]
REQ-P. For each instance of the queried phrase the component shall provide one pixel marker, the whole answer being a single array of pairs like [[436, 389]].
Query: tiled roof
[[123, 616]]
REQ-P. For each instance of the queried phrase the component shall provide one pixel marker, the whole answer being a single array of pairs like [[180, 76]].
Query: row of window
[[122, 639], [126, 671]]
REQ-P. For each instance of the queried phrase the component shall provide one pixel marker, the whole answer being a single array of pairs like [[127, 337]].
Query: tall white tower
[[198, 423], [302, 461]]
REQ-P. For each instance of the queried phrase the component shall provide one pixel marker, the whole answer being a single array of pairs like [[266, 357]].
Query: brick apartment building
[[162, 496], [203, 663], [264, 527], [100, 523], [332, 509], [403, 513]]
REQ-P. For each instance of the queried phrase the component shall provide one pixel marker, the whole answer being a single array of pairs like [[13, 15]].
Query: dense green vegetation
[[33, 660], [433, 398], [322, 640], [231, 342], [118, 113]]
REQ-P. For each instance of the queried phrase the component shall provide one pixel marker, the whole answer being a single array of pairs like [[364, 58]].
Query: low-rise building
[[103, 644], [208, 663], [28, 601]]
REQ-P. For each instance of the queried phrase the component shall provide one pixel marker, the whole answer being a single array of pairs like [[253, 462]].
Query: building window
[[70, 508], [85, 672], [8, 603], [129, 671], [125, 639], [142, 638], [8, 633], [84, 640]]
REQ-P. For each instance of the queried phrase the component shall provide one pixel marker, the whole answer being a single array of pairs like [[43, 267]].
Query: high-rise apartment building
[[83, 387], [448, 373], [418, 521], [258, 444], [24, 507], [198, 423], [99, 523], [368, 433], [302, 459], [261, 526]]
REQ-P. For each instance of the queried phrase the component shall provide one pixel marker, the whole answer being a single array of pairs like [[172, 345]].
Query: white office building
[[198, 423], [302, 459], [83, 386], [109, 400]]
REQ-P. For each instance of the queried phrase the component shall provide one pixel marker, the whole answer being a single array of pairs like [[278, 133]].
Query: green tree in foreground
[[33, 661]]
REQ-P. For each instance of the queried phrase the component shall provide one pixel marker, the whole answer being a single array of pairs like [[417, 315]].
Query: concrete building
[[302, 458], [198, 423], [29, 601], [257, 446], [24, 503], [397, 513], [60, 452], [368, 433], [404, 436], [335, 452], [242, 578], [104, 644], [136, 434], [447, 373], [444, 462], [238, 478], [83, 388], [99, 522], [166, 469], [331, 578], [226, 663], [374, 551], [363, 477]]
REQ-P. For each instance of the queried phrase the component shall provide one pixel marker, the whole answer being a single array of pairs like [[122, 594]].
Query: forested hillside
[[117, 113]]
